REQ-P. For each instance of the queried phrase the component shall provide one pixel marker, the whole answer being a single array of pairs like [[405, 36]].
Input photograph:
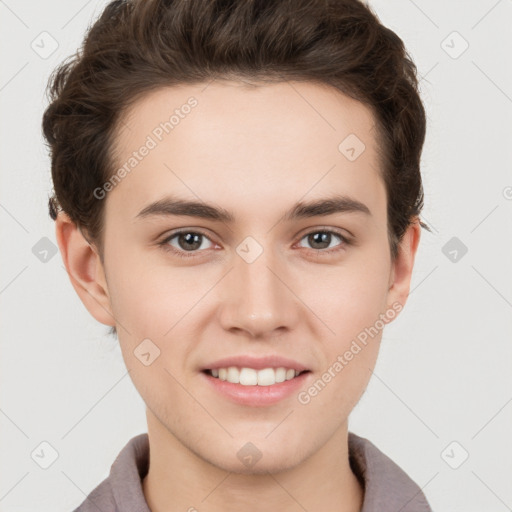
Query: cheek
[[348, 301], [150, 298], [159, 303], [149, 303], [347, 298]]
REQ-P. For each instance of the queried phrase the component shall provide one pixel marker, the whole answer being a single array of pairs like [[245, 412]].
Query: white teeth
[[233, 374], [280, 374], [252, 377], [267, 377], [246, 376]]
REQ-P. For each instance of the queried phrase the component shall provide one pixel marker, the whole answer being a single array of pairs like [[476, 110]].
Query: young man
[[237, 194]]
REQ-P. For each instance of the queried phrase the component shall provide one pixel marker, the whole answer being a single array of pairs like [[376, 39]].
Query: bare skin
[[254, 152]]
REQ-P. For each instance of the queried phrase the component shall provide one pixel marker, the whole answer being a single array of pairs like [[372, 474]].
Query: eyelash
[[191, 254]]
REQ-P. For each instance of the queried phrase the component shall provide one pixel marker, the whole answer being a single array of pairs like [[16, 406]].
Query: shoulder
[[100, 498], [387, 486], [122, 490]]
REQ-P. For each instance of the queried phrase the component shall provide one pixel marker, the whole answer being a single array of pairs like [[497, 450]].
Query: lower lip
[[257, 395]]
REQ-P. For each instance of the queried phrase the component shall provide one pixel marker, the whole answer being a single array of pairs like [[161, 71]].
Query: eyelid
[[344, 233]]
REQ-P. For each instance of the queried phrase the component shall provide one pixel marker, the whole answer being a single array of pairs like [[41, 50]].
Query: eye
[[187, 242], [321, 240]]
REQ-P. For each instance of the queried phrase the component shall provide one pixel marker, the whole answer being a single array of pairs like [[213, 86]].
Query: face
[[189, 287]]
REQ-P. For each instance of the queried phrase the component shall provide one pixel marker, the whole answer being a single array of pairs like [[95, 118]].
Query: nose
[[258, 298]]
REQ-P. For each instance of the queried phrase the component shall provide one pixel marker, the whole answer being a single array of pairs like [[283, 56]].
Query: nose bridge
[[259, 301]]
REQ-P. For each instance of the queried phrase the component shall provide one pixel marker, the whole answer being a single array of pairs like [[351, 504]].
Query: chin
[[256, 459], [274, 466]]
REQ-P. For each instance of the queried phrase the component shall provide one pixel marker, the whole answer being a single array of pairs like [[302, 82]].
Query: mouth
[[253, 377]]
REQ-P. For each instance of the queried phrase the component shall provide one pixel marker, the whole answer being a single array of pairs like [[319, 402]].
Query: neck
[[178, 479]]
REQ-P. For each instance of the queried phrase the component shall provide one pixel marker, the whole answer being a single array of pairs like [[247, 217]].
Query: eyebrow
[[171, 205]]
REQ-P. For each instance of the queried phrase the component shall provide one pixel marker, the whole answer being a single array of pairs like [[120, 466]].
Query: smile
[[252, 377]]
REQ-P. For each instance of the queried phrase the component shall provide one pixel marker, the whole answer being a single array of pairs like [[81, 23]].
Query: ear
[[84, 269], [401, 269]]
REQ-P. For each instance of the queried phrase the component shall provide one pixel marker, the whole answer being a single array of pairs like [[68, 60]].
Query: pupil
[[321, 238], [191, 239]]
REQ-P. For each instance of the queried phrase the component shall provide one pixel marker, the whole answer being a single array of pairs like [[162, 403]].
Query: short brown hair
[[140, 45]]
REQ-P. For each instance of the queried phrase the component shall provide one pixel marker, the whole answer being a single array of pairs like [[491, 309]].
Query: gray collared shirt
[[387, 488]]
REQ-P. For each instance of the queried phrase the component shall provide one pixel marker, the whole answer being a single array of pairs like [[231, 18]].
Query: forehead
[[230, 141]]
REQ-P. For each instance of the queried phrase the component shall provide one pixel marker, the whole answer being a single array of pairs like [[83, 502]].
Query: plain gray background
[[442, 388]]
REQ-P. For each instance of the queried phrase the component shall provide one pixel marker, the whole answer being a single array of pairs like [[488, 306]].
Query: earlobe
[[402, 267], [84, 269]]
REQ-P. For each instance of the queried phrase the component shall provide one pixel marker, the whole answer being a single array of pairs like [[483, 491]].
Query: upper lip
[[258, 363]]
